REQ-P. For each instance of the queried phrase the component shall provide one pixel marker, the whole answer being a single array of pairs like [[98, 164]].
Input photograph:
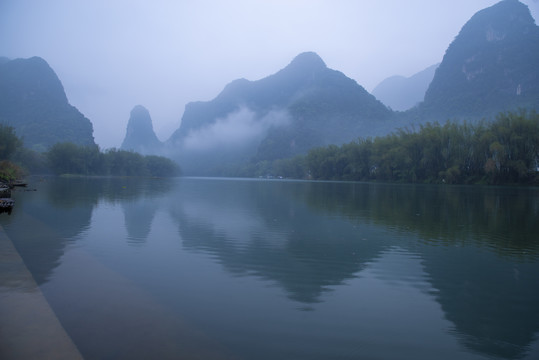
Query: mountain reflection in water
[[474, 250]]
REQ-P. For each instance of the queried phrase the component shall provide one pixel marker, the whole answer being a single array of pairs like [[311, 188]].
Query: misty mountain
[[304, 105], [402, 93], [491, 66], [140, 136], [33, 101]]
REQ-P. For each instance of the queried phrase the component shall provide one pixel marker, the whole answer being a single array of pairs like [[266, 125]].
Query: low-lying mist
[[238, 129]]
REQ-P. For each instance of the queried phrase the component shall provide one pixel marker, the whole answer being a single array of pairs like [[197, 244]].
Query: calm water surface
[[248, 269]]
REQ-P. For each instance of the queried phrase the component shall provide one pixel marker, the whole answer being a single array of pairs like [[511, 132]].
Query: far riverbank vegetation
[[503, 151], [67, 158]]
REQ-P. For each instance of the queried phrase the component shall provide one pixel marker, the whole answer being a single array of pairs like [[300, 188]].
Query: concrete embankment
[[29, 329]]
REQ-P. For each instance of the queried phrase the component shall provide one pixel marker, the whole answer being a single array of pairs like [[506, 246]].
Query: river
[[206, 268]]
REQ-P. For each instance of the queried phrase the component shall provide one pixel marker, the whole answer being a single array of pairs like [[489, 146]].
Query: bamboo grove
[[503, 151]]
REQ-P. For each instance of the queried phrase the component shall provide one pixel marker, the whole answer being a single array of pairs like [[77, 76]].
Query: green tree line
[[503, 151], [69, 158], [9, 144]]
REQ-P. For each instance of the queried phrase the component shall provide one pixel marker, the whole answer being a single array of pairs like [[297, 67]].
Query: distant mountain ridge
[[33, 101], [304, 105], [403, 93], [304, 78], [491, 66]]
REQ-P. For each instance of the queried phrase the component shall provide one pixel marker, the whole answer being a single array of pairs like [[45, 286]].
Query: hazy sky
[[114, 54]]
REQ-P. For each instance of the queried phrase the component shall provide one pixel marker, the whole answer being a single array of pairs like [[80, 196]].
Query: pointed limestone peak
[[308, 61], [36, 76], [493, 58], [140, 119], [503, 21], [140, 136]]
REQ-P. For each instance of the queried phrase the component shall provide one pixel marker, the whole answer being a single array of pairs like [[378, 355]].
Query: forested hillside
[[33, 101], [305, 104], [491, 66]]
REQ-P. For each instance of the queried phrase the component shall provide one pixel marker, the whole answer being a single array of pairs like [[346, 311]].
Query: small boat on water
[[12, 184], [6, 205], [18, 183]]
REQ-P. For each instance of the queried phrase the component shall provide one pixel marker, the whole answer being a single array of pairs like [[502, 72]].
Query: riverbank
[[29, 329]]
